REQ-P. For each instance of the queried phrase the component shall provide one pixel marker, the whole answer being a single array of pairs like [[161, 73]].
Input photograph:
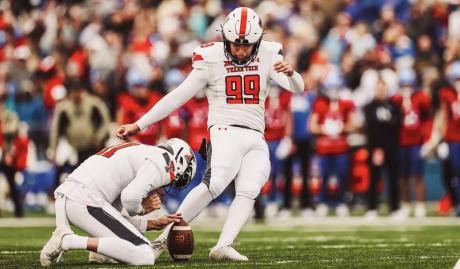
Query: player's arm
[[143, 224], [162, 222], [136, 197], [313, 124], [138, 222], [285, 75], [194, 82], [350, 124], [438, 130]]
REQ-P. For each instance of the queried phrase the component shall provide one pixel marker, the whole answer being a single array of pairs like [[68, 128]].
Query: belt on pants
[[241, 126]]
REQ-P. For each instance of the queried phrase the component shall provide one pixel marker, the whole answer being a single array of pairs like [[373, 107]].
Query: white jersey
[[107, 173], [236, 95]]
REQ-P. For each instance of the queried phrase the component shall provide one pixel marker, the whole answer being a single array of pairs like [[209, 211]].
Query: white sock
[[73, 241], [197, 200], [238, 214], [124, 251]]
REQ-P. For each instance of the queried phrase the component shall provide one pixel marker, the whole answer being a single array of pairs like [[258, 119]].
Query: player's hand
[[162, 222], [426, 150], [283, 67], [151, 203], [8, 159], [127, 130], [378, 156]]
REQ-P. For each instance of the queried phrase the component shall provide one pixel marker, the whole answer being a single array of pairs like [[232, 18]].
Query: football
[[180, 241]]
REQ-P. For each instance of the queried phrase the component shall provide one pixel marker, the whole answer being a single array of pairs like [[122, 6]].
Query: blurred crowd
[[382, 79]]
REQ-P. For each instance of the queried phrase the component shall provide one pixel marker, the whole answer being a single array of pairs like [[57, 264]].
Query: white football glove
[[284, 148]]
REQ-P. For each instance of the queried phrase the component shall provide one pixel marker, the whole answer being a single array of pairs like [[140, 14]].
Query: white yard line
[[330, 223], [13, 252]]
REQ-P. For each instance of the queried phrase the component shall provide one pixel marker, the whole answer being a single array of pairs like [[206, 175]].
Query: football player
[[235, 74], [446, 128], [118, 178], [332, 119], [416, 108]]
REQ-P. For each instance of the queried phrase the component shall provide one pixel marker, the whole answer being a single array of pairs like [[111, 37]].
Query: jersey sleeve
[[276, 50], [285, 100], [320, 106], [349, 106], [424, 103], [194, 82], [446, 95], [148, 178], [397, 99], [203, 55], [293, 83]]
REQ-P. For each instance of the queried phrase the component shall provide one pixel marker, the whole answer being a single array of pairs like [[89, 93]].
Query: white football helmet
[[243, 27], [184, 162]]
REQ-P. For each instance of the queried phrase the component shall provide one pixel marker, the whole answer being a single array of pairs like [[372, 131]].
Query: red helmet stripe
[[244, 18]]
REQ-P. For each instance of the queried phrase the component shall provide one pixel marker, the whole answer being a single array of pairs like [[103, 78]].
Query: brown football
[[180, 241]]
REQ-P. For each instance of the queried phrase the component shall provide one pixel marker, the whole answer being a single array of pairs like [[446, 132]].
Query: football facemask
[[184, 163]]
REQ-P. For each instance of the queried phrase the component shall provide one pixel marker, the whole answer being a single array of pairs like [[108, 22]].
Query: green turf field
[[294, 247]]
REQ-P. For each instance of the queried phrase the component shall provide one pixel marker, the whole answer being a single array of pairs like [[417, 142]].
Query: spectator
[[81, 122], [31, 110], [13, 151], [51, 83], [137, 101], [19, 69], [360, 39], [421, 22], [454, 24], [174, 124], [335, 42], [425, 56]]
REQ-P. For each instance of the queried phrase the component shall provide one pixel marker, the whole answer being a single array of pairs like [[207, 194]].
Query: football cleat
[[52, 251], [226, 253], [307, 213], [342, 211], [399, 215], [420, 210], [284, 214], [95, 257], [322, 210], [371, 215]]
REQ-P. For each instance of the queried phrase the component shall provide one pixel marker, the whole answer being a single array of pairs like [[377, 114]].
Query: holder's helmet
[[184, 162]]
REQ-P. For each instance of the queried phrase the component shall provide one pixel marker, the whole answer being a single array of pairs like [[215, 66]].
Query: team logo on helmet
[[170, 170]]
